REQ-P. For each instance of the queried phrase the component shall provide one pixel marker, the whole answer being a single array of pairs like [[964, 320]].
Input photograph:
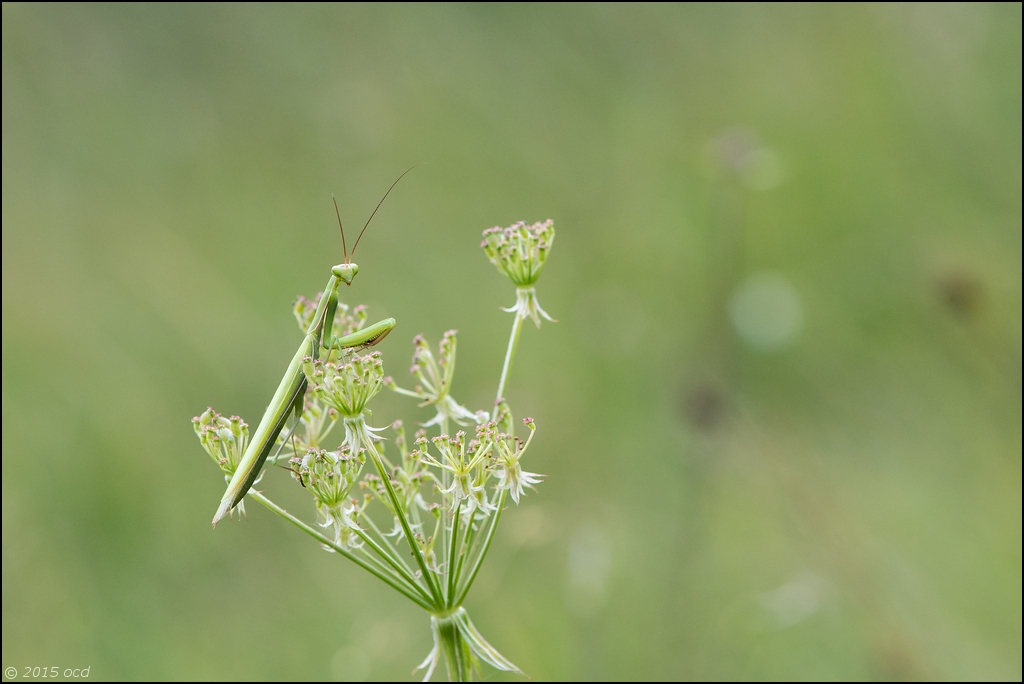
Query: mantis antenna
[[350, 256], [343, 247]]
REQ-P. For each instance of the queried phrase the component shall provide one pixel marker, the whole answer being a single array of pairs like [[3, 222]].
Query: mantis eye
[[346, 272]]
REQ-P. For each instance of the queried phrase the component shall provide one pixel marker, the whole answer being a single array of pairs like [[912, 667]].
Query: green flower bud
[[519, 251]]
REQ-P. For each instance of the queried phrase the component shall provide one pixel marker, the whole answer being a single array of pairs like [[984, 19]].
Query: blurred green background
[[780, 414]]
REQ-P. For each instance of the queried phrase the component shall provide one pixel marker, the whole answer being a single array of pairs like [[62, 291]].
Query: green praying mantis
[[292, 388]]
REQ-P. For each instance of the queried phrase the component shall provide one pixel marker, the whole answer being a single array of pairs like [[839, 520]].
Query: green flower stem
[[467, 544], [451, 554], [388, 545], [395, 564], [408, 393], [513, 340], [483, 551], [428, 576], [370, 558], [396, 582], [457, 657], [444, 485]]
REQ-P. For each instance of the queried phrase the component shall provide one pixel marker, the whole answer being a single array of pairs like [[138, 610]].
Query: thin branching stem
[[444, 485], [428, 575], [483, 550], [464, 549], [450, 594], [395, 582], [513, 340], [386, 568], [388, 545], [395, 564]]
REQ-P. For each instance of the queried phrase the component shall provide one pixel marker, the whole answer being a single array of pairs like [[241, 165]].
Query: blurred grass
[[846, 507]]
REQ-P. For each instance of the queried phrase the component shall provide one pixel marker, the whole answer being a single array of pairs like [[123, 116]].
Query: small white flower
[[511, 475], [465, 462], [528, 305], [435, 381]]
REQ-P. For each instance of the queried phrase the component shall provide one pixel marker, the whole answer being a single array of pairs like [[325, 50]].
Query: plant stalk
[[457, 657], [428, 576], [513, 340], [483, 550], [396, 582]]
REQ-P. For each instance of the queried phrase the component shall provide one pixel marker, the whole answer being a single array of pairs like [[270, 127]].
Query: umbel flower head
[[348, 384], [465, 462], [511, 475], [519, 252], [224, 439], [435, 381], [330, 476]]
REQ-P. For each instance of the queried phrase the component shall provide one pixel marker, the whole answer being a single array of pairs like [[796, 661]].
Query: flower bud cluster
[[347, 385], [435, 375], [435, 381], [330, 476], [519, 251], [224, 439]]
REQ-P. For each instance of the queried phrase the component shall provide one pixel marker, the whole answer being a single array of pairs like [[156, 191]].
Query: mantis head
[[346, 272]]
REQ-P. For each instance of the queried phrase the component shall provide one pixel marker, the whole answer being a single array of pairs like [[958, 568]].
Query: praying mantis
[[292, 388]]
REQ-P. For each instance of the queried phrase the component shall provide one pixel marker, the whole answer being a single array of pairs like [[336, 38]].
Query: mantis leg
[[289, 394], [298, 407], [360, 339]]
